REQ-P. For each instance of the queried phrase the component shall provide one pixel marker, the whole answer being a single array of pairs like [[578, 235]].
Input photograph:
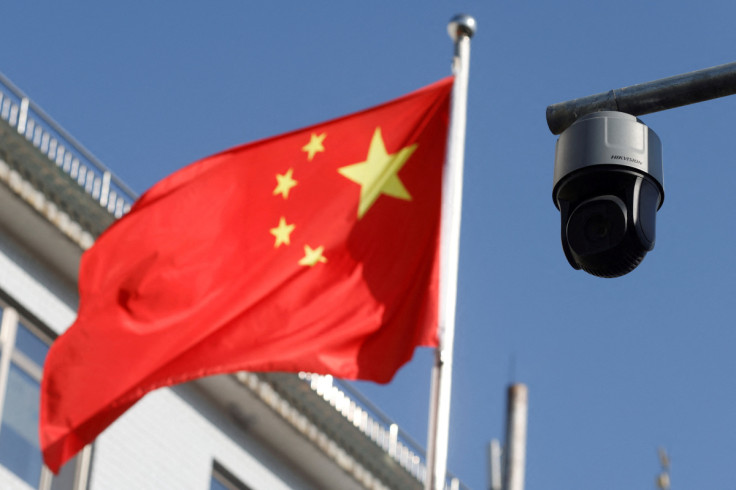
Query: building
[[242, 431]]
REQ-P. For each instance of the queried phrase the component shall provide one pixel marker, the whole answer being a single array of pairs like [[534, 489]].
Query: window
[[23, 349], [21, 364], [19, 450], [222, 479]]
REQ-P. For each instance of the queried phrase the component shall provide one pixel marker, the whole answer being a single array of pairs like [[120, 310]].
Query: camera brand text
[[626, 159]]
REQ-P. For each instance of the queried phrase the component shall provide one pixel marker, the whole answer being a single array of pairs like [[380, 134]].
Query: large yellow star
[[378, 173], [285, 183], [314, 145], [282, 232], [312, 256]]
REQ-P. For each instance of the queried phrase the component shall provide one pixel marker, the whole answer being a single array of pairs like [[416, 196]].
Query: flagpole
[[461, 29]]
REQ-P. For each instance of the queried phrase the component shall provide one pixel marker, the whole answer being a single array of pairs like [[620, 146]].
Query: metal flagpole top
[[461, 25]]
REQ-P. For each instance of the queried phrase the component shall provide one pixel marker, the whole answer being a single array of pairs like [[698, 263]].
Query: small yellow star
[[312, 256], [314, 145], [285, 183], [378, 174], [282, 232]]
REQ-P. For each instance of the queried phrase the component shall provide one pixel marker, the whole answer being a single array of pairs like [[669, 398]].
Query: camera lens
[[597, 225]]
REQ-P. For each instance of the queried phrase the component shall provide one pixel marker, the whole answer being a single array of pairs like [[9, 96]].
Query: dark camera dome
[[597, 236], [608, 235], [615, 263]]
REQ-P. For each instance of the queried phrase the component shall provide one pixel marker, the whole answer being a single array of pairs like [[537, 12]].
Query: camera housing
[[608, 187]]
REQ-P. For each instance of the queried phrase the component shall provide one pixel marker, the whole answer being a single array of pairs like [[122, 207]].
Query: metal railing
[[64, 151], [375, 425]]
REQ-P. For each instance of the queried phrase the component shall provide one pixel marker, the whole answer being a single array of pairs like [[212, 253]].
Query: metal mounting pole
[[645, 98]]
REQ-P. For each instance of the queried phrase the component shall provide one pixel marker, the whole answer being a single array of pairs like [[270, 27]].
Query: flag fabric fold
[[316, 250]]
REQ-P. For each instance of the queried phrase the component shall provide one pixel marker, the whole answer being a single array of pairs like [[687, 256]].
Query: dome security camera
[[608, 188]]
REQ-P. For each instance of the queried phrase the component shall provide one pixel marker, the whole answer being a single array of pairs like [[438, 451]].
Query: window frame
[[225, 478], [75, 474]]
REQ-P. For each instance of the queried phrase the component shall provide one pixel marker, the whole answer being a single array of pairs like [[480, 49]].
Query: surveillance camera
[[608, 188]]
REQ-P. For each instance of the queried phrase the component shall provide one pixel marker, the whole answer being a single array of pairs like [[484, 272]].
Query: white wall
[[166, 441], [39, 291]]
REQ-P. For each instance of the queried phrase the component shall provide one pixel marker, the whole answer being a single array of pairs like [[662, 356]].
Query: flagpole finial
[[461, 25]]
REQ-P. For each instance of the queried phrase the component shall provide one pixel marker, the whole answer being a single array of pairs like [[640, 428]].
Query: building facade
[[240, 431]]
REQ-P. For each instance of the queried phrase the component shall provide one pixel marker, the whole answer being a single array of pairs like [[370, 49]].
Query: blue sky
[[615, 368]]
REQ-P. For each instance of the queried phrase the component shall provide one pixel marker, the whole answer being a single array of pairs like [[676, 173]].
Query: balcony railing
[[375, 425], [64, 151]]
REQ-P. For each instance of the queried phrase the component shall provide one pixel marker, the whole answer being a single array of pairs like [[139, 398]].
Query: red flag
[[316, 250]]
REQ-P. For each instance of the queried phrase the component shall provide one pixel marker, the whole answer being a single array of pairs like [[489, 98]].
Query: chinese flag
[[316, 250]]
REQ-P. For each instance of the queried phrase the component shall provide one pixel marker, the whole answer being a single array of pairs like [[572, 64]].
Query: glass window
[[30, 345], [216, 484], [21, 368], [224, 480], [22, 361], [19, 447]]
